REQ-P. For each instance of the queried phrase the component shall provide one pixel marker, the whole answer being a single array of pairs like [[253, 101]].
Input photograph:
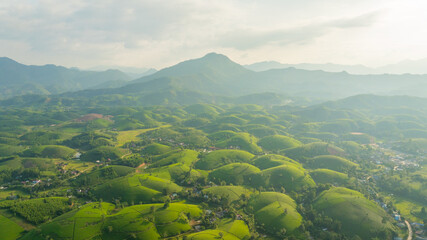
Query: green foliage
[[311, 150], [340, 126], [263, 131], [177, 172], [332, 162], [220, 158], [237, 227], [273, 160], [230, 193], [155, 149], [290, 177], [324, 136], [57, 151], [126, 123], [203, 110], [41, 210], [41, 138], [186, 156], [9, 230], [357, 214], [232, 120], [89, 140], [243, 141], [103, 154], [9, 150], [275, 211], [414, 146], [144, 222], [30, 167], [136, 188], [221, 135], [103, 174], [234, 173], [278, 142], [196, 122], [9, 141], [329, 176]]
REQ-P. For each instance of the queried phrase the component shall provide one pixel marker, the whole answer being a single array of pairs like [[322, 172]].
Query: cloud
[[48, 23], [244, 39], [155, 33]]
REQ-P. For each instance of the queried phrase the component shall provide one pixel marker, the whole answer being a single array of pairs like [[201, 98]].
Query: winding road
[[409, 230]]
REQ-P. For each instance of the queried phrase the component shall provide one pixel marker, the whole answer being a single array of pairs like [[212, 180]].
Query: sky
[[160, 33]]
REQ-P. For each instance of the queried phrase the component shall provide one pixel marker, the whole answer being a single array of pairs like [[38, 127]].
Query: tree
[[282, 232], [167, 202]]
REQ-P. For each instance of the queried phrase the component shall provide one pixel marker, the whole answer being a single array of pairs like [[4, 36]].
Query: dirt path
[[138, 169], [409, 230]]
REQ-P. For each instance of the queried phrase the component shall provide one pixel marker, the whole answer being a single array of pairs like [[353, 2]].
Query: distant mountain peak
[[214, 55], [7, 60]]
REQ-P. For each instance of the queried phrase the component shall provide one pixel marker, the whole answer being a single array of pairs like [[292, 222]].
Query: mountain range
[[403, 67], [19, 79], [217, 79]]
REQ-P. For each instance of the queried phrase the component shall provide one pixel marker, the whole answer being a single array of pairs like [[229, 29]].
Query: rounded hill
[[136, 188], [332, 162], [155, 149], [274, 160], [234, 173], [329, 176], [278, 142], [310, 150], [243, 141], [275, 211], [358, 215], [220, 158], [287, 176]]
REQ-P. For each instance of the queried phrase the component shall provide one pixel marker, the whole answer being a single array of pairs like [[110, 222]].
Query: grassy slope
[[187, 157], [357, 214], [155, 149], [219, 158], [273, 160], [136, 188], [9, 230], [275, 211], [233, 193], [93, 222], [310, 150], [332, 162], [328, 176], [234, 173], [287, 176], [278, 142], [132, 135], [244, 141], [97, 176]]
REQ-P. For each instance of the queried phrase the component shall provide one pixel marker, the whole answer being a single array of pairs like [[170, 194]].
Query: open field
[[132, 135]]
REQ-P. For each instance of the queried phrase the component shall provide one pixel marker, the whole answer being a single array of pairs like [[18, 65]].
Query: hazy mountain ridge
[[222, 80], [218, 75], [19, 79], [368, 101], [327, 67], [403, 67]]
